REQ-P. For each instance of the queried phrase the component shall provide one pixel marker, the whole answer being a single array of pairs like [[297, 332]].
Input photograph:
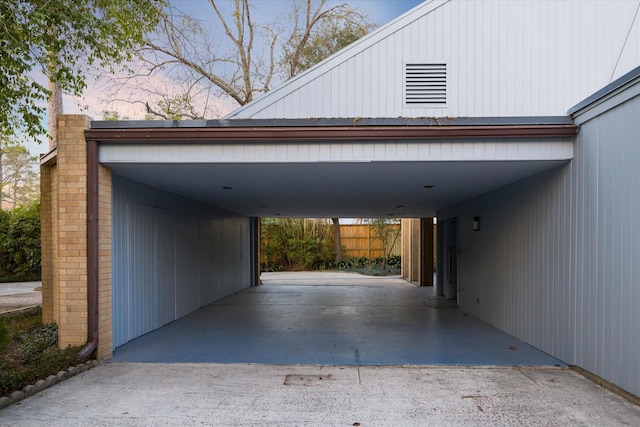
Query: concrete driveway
[[332, 278], [16, 295], [296, 395], [241, 394], [17, 288]]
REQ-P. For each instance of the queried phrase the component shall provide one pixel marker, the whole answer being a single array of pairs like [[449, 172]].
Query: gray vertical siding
[[171, 255], [609, 144], [556, 262], [186, 294]]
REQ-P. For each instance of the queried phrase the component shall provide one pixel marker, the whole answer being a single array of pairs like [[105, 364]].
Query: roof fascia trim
[[601, 100], [334, 134]]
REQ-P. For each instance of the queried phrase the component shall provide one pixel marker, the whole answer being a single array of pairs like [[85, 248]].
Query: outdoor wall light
[[476, 223]]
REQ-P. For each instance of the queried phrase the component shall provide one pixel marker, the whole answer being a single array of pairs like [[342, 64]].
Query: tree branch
[[213, 78]]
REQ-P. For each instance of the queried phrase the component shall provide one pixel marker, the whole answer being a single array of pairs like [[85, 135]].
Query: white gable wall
[[504, 58]]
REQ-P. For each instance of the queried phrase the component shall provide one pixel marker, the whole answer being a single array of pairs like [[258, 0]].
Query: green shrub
[[33, 353], [20, 243], [5, 335], [37, 341], [270, 267], [11, 378], [296, 243], [394, 261], [375, 267], [51, 361]]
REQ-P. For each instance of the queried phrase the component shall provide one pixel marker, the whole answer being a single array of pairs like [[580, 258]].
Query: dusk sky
[[383, 11], [377, 11]]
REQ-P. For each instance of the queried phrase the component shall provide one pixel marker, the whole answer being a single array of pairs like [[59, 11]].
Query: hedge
[[20, 243]]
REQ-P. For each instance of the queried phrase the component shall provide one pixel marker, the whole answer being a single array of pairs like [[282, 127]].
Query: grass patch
[[29, 351]]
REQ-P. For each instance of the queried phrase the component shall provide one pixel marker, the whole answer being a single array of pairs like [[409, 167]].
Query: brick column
[[70, 273]]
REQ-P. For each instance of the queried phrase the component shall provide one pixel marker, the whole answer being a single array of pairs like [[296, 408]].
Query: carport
[[186, 197], [144, 223]]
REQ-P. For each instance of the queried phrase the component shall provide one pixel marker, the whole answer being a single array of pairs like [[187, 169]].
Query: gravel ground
[[14, 302]]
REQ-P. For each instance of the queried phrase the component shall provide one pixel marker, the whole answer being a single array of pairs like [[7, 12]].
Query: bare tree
[[191, 66], [319, 32], [236, 72]]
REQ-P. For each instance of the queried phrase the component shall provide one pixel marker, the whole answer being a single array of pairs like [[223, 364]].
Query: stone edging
[[41, 385]]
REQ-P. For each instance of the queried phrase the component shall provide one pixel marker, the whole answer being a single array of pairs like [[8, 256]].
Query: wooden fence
[[362, 240]]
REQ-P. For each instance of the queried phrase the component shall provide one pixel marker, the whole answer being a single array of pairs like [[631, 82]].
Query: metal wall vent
[[426, 84]]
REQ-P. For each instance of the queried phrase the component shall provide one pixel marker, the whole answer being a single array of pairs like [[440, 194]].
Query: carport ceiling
[[347, 189], [334, 167]]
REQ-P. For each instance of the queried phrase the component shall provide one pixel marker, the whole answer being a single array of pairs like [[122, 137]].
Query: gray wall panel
[[214, 271], [170, 257], [556, 260], [187, 291]]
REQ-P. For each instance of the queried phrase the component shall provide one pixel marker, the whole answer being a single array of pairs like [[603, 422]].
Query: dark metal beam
[[326, 134]]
